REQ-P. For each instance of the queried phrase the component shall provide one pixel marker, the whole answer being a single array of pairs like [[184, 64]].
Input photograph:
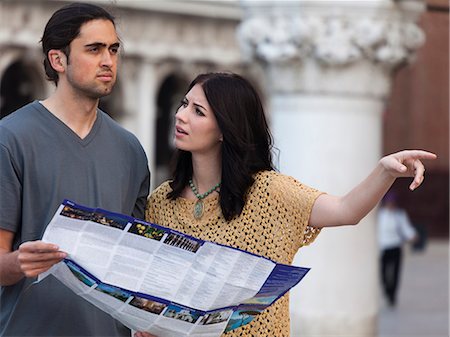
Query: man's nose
[[107, 59]]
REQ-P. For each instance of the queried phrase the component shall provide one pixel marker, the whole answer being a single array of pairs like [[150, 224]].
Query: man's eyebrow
[[102, 44]]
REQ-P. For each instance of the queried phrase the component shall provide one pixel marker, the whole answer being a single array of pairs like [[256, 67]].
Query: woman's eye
[[199, 112]]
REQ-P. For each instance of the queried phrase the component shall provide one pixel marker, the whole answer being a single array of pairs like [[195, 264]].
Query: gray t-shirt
[[43, 162]]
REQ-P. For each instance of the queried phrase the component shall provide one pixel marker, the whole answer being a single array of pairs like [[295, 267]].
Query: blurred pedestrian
[[394, 230]]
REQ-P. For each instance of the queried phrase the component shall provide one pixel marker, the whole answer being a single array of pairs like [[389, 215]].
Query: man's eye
[[114, 50]]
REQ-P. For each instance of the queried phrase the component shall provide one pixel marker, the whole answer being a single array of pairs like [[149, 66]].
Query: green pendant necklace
[[198, 207]]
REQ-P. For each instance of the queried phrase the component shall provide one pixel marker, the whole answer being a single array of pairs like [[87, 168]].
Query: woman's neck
[[206, 172]]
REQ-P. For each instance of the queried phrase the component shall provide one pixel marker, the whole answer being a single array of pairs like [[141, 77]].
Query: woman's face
[[196, 128]]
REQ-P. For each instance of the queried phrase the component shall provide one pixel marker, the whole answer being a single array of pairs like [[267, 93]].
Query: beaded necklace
[[198, 207]]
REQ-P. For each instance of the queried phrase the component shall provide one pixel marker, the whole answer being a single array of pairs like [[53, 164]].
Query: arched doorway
[[20, 84], [169, 97]]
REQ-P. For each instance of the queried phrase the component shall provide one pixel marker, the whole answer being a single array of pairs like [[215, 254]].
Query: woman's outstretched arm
[[349, 209]]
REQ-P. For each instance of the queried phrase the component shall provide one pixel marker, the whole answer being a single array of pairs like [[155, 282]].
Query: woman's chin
[[180, 146]]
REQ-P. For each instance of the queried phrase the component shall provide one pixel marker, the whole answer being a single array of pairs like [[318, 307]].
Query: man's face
[[92, 62]]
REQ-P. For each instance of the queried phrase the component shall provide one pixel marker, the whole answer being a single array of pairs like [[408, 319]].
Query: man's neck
[[79, 113]]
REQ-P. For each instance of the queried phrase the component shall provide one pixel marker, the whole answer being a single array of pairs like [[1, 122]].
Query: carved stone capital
[[335, 35]]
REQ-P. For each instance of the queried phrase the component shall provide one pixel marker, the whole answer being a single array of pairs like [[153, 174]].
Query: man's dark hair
[[64, 26], [247, 142]]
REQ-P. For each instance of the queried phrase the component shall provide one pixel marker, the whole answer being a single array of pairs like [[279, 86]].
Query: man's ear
[[58, 60]]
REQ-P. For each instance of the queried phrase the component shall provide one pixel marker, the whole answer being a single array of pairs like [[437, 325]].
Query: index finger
[[418, 154], [38, 247]]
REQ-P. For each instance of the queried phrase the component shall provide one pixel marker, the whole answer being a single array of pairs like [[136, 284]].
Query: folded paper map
[[158, 280]]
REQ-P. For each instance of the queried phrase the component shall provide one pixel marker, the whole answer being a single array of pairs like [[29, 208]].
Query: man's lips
[[105, 76]]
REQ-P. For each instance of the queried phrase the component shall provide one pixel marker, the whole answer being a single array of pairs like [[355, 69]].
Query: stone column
[[139, 79], [329, 66], [147, 112]]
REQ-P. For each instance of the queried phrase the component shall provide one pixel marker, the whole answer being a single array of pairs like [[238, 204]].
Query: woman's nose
[[181, 114]]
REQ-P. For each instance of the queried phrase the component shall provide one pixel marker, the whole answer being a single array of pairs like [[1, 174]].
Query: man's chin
[[102, 93]]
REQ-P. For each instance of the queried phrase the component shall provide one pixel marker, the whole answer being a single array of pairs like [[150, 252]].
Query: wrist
[[385, 178], [10, 270], [384, 170]]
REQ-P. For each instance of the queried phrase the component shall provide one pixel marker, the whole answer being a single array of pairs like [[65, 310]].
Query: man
[[63, 147]]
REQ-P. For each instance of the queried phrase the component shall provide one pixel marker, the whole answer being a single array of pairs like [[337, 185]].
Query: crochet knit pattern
[[273, 223]]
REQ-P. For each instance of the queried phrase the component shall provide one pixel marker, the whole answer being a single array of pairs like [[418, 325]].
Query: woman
[[225, 189]]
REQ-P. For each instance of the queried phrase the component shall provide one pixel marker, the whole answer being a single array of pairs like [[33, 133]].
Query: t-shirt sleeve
[[140, 206], [10, 191], [143, 174], [298, 200]]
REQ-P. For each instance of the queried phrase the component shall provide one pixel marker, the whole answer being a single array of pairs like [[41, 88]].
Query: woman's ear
[[57, 60]]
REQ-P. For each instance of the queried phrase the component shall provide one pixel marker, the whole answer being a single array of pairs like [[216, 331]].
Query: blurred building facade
[[167, 42], [417, 116], [330, 65]]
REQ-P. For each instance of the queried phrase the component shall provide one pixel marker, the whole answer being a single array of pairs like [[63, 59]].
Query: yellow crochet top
[[273, 223]]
